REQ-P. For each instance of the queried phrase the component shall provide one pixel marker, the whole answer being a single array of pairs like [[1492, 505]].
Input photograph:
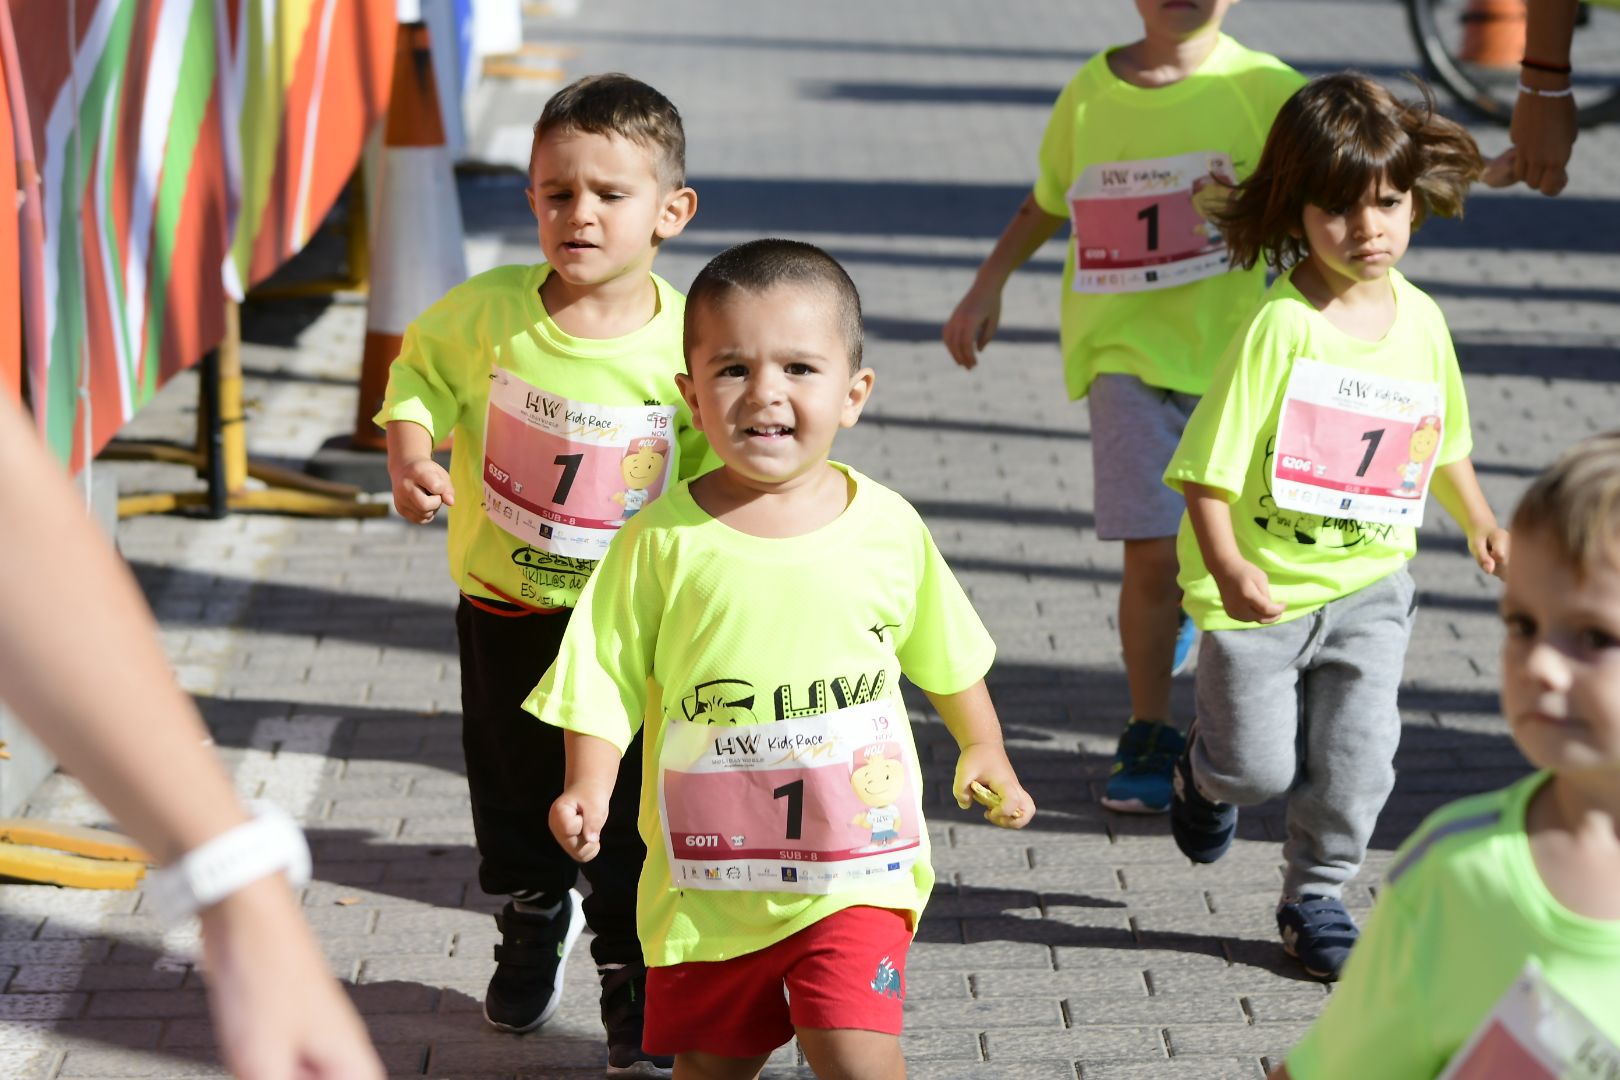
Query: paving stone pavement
[[900, 135]]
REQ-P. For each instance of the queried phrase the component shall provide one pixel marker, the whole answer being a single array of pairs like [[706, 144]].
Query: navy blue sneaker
[[1186, 644], [1203, 828], [1139, 782], [1317, 932]]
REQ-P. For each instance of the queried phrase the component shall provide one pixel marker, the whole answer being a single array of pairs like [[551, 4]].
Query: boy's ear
[[860, 391], [688, 389], [679, 207], [528, 193]]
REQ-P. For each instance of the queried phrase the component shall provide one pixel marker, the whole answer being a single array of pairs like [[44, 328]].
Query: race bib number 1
[[1355, 445], [562, 475], [1142, 225], [810, 805], [1535, 1033]]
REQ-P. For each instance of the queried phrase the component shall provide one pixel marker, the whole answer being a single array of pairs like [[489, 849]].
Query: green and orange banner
[[167, 154]]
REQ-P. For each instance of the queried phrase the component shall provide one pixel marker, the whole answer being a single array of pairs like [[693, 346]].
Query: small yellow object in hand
[[989, 798]]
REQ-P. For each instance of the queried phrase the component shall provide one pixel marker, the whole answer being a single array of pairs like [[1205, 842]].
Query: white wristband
[[1568, 91], [271, 841]]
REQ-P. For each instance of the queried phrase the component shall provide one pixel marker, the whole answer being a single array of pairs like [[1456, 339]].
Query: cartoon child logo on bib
[[879, 780], [1421, 447], [642, 465]]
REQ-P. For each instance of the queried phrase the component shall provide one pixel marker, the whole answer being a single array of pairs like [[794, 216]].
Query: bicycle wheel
[[1489, 92]]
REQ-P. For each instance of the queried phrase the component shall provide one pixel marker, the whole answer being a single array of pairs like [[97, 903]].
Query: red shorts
[[846, 971]]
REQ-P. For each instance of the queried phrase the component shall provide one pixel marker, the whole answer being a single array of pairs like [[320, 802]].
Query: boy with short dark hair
[[755, 622], [1495, 942], [557, 380]]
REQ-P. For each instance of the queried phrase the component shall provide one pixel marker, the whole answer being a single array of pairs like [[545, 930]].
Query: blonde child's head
[[1561, 610], [1338, 137], [617, 104]]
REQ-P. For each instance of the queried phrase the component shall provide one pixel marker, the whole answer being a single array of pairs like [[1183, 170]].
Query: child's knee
[[851, 1054], [1152, 562], [1247, 782]]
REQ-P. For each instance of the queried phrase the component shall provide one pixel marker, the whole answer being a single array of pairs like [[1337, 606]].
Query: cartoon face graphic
[[720, 701], [878, 779], [643, 463], [1424, 439]]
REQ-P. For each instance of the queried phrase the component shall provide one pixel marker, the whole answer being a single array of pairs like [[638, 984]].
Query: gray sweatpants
[[1307, 709]]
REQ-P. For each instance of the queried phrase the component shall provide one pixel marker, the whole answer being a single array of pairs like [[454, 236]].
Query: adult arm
[[134, 738], [1544, 128]]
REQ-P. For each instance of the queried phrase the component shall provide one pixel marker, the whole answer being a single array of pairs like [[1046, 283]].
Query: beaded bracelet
[[1541, 65], [1567, 91]]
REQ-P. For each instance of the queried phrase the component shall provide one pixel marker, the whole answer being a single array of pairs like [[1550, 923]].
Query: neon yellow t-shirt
[[442, 381], [1460, 912], [1228, 445], [1167, 337], [703, 621]]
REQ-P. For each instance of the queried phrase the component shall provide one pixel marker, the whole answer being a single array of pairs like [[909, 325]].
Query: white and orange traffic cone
[[417, 249]]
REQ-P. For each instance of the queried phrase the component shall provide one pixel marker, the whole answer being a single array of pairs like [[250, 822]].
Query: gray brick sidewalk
[[899, 135]]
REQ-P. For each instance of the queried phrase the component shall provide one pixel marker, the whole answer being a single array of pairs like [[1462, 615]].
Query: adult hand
[[278, 1013], [1543, 133]]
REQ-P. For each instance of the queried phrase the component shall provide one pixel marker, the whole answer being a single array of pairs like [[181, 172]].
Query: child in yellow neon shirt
[[1530, 872], [537, 369], [1148, 304], [1294, 547], [754, 625]]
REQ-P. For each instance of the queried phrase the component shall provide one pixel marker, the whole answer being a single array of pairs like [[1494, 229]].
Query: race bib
[[1535, 1033], [1142, 225], [562, 475], [1354, 445], [811, 805]]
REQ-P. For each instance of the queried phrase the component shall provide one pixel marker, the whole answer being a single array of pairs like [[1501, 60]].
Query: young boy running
[[1140, 152], [554, 378], [1496, 937], [757, 621]]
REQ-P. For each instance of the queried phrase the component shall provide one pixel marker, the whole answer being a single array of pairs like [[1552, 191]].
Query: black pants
[[515, 770]]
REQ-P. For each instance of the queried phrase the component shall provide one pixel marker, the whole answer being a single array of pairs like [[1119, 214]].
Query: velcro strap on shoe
[[527, 953]]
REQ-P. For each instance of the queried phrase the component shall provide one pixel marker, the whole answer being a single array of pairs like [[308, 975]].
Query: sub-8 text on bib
[[813, 805], [1355, 445], [563, 475], [1142, 225]]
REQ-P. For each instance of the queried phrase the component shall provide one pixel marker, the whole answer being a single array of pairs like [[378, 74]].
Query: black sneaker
[[1203, 828], [624, 1000], [1318, 932], [527, 986]]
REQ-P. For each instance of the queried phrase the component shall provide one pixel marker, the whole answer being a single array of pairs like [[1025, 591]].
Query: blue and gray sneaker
[[1139, 782], [1318, 932], [1186, 644], [1202, 828]]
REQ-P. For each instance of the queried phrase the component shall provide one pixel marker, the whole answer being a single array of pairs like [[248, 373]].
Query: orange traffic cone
[[1493, 33], [417, 253]]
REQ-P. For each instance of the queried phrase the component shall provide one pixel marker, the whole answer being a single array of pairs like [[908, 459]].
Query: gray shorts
[[1135, 429]]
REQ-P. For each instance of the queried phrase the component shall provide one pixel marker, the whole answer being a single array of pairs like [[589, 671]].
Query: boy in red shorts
[[757, 622]]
